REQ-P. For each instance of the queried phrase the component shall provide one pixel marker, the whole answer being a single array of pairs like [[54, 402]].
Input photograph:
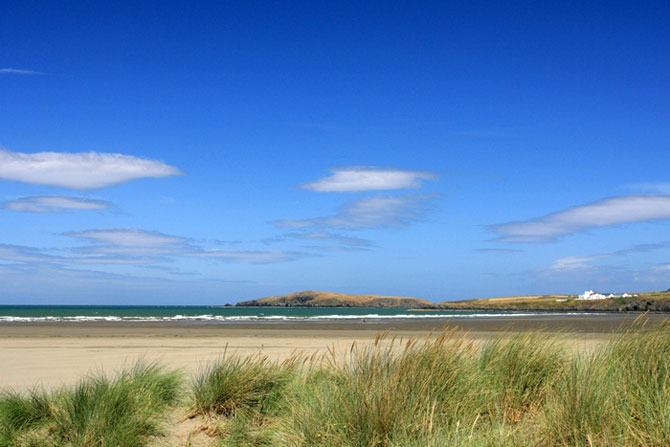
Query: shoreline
[[52, 354], [604, 322]]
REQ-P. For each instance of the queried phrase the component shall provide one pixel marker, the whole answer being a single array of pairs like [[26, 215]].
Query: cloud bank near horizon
[[136, 243], [136, 246], [366, 178], [619, 210], [81, 171]]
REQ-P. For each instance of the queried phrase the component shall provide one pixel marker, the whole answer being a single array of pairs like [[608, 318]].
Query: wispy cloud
[[52, 204], [605, 278], [252, 256], [79, 170], [130, 243], [53, 283], [572, 263], [333, 248], [607, 212], [231, 243], [652, 187], [498, 250], [321, 236], [642, 248], [362, 178], [370, 212], [663, 268], [20, 253], [129, 237], [137, 246], [33, 255], [155, 246], [18, 71]]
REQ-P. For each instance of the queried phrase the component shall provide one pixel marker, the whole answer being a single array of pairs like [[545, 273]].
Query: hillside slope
[[641, 302], [328, 299]]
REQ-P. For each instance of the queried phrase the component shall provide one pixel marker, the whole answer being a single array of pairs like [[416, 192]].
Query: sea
[[215, 314]]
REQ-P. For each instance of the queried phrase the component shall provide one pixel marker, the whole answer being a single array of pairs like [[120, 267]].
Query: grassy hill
[[644, 301], [328, 299], [641, 302]]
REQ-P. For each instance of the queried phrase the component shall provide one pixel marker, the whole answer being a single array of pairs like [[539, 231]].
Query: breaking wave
[[254, 318]]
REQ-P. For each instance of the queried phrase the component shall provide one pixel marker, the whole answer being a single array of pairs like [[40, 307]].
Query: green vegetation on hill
[[519, 390], [640, 302]]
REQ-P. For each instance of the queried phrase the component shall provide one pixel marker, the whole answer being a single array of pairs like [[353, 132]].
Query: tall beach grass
[[100, 411], [523, 389]]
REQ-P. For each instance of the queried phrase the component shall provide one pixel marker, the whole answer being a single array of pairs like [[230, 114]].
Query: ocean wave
[[254, 318]]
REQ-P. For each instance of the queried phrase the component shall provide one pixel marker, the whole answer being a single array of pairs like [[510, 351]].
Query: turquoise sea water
[[9, 314]]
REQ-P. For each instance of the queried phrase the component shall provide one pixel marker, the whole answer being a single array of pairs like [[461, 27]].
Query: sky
[[208, 152]]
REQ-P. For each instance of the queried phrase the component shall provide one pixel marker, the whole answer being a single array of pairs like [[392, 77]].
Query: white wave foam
[[251, 318]]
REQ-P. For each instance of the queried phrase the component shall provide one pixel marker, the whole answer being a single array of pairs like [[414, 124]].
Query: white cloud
[[252, 256], [370, 212], [322, 236], [607, 212], [18, 71], [130, 244], [32, 255], [498, 250], [79, 170], [570, 263], [652, 187], [136, 246], [129, 237], [332, 237], [46, 204], [19, 253], [152, 246], [361, 178]]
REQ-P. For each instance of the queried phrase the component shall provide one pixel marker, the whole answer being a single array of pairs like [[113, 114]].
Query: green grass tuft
[[519, 371], [125, 410], [233, 383], [519, 390]]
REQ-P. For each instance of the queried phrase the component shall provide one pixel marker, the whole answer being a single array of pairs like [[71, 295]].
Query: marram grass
[[528, 389], [122, 411], [233, 383]]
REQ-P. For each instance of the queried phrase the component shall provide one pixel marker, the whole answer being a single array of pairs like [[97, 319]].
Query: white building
[[591, 295]]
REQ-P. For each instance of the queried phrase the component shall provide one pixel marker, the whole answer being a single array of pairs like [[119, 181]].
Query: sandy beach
[[52, 354]]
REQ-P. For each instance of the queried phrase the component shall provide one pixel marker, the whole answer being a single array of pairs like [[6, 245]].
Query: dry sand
[[60, 353]]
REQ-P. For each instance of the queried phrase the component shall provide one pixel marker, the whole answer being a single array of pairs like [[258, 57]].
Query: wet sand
[[51, 354]]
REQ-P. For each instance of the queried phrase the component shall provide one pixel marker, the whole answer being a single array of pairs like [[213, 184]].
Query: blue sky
[[195, 152]]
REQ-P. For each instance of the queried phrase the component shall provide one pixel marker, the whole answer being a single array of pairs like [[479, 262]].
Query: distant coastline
[[329, 299], [640, 302]]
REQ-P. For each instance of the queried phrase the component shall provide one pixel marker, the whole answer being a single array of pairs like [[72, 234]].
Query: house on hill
[[591, 295]]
